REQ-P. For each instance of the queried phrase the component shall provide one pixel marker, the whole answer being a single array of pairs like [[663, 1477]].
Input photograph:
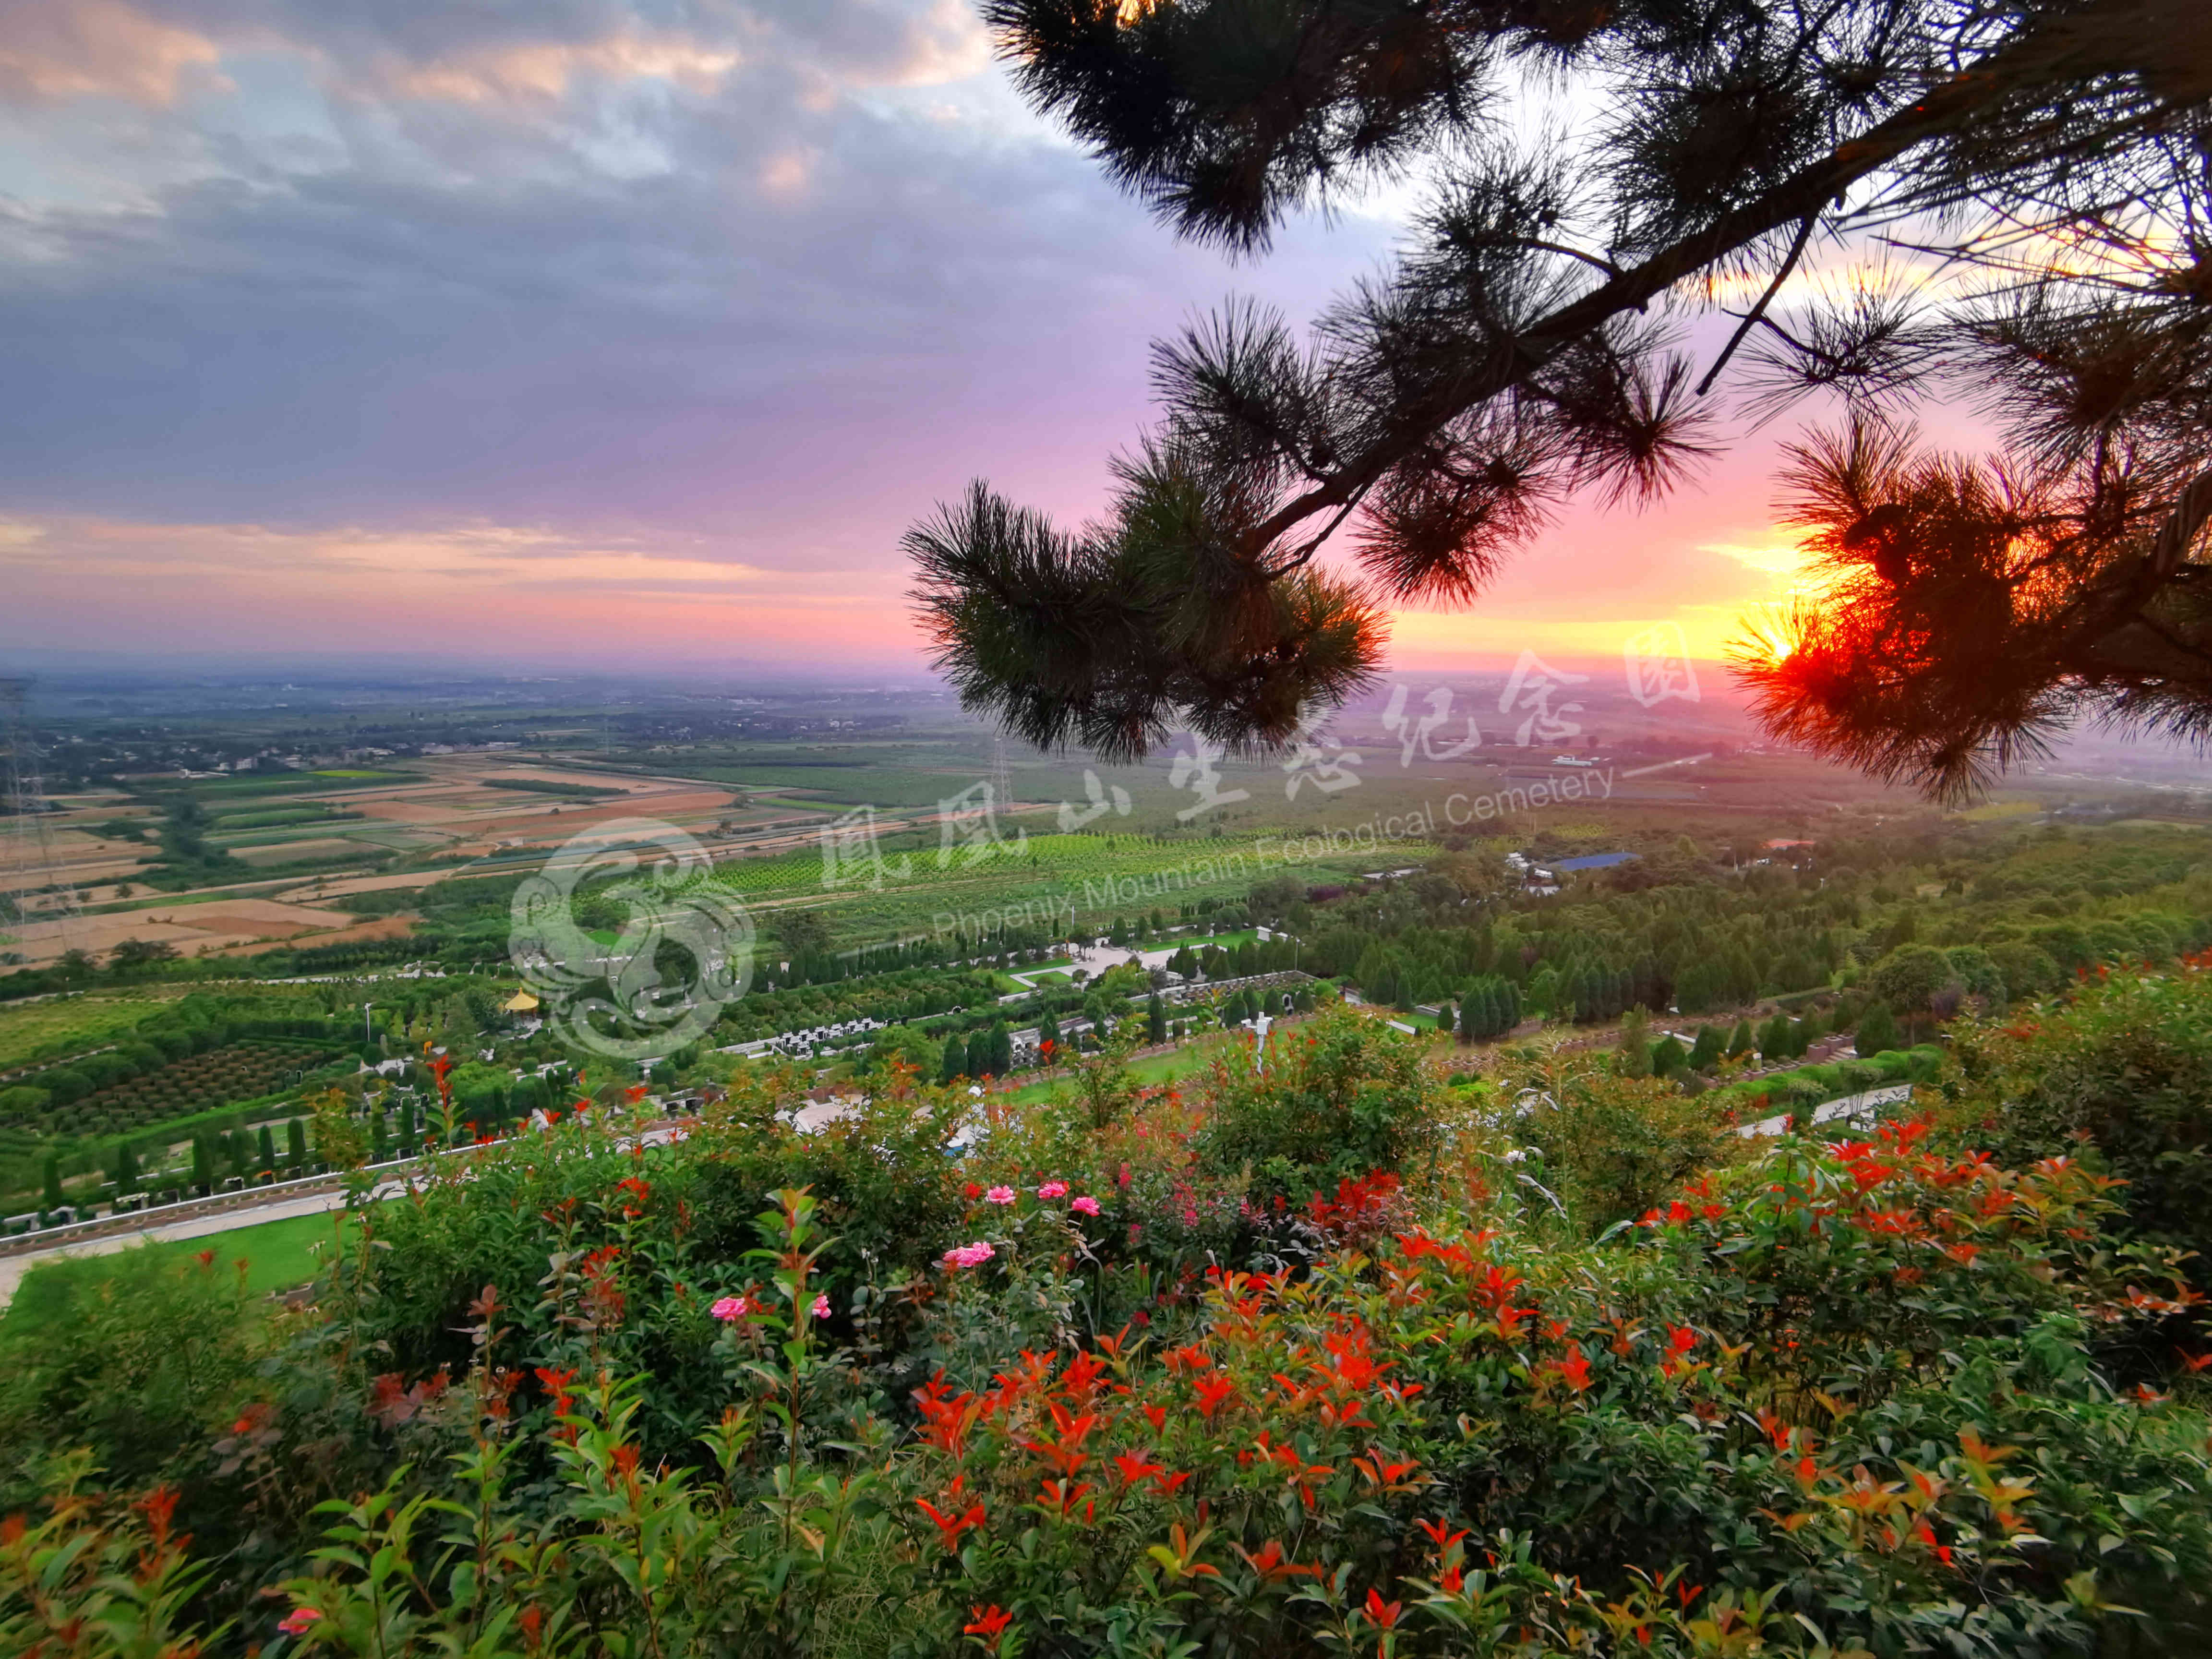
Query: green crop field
[[67, 1025], [215, 791], [850, 783], [1081, 879]]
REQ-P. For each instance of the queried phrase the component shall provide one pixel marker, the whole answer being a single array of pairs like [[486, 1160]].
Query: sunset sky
[[572, 331]]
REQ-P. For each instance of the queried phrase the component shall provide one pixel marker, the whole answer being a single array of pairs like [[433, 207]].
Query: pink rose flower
[[822, 1306], [968, 1255], [1052, 1190], [296, 1624], [999, 1195], [730, 1308], [1085, 1205]]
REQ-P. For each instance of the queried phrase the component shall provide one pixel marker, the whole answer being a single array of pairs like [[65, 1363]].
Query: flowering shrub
[[1831, 1399], [2126, 1066]]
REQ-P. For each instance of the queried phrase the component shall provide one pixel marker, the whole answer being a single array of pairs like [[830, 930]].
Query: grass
[[1193, 1056], [279, 1255]]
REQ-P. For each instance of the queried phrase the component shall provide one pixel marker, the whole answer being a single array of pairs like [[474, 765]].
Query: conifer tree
[[1707, 1049], [1156, 1019], [51, 1194], [1516, 356], [1741, 1041], [1774, 1038], [295, 1146], [203, 1176], [1635, 1060], [1877, 1030]]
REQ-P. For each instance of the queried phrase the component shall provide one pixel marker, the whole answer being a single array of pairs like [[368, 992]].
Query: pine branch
[[1803, 194]]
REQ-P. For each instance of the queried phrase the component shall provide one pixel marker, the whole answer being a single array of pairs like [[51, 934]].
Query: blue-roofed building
[[1594, 862]]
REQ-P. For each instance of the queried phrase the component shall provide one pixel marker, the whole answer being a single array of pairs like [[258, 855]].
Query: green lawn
[[279, 1255], [1193, 1056]]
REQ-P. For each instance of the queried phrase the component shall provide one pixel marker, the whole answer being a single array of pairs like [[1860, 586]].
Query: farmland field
[[240, 1071], [65, 1026], [1067, 877]]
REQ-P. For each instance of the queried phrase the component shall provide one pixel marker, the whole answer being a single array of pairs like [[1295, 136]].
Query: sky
[[575, 332]]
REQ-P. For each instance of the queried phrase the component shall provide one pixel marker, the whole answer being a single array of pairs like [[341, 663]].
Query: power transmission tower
[[32, 863]]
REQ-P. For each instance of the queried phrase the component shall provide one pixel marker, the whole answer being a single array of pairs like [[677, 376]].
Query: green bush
[[1345, 1097], [142, 1366], [2126, 1068], [1098, 1384], [23, 1101]]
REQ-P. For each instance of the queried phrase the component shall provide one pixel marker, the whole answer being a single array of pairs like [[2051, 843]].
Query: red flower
[[1441, 1534], [1575, 1368], [950, 1527], [556, 1384], [1270, 1564], [989, 1623], [1385, 1613], [1135, 1467], [159, 1506]]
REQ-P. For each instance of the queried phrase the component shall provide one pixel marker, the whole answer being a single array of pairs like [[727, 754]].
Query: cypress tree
[[202, 1164], [295, 1146], [1635, 1044], [1707, 1048], [379, 1140], [51, 1196], [1048, 1030], [1508, 997], [1774, 1038], [1156, 1019], [1741, 1041], [127, 1168], [1002, 1050]]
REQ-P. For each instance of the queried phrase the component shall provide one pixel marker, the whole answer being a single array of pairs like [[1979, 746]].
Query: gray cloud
[[400, 263]]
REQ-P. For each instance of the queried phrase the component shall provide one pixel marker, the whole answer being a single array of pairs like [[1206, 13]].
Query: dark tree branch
[[1805, 192], [1751, 319]]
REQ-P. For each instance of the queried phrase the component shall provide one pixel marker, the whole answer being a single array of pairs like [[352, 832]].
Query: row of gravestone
[[69, 1215]]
